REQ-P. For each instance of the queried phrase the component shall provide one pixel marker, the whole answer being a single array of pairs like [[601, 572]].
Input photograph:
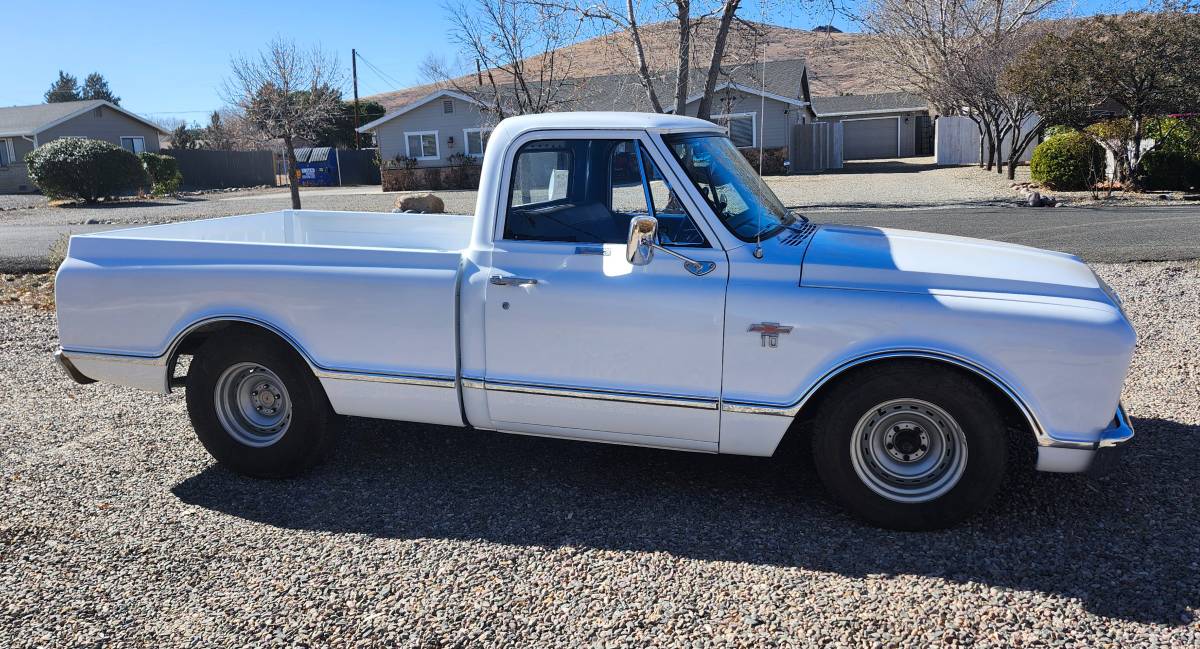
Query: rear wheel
[[910, 446], [256, 407]]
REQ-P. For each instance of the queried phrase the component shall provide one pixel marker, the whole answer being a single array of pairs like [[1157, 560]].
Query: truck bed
[[358, 293], [440, 232]]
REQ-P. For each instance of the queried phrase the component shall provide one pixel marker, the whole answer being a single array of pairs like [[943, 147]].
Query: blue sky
[[168, 59]]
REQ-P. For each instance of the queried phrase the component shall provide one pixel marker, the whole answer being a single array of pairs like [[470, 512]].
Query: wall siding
[[15, 177], [775, 123], [430, 117], [110, 126]]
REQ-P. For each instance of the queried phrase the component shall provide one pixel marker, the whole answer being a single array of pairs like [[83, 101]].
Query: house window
[[422, 145], [743, 127], [475, 140], [447, 106], [6, 152], [133, 144]]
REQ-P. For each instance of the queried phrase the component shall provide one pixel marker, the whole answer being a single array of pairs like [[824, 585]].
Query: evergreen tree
[[183, 138], [95, 86], [65, 88]]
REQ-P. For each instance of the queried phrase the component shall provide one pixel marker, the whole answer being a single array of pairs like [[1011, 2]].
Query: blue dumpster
[[318, 166]]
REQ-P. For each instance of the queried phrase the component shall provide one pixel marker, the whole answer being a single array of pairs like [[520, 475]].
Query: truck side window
[[587, 191]]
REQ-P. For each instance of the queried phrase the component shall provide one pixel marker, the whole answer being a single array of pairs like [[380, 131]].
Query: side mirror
[[643, 235]]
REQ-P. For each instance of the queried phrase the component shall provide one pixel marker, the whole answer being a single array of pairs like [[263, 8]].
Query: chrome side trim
[[793, 408], [117, 358], [428, 381], [643, 398], [319, 371]]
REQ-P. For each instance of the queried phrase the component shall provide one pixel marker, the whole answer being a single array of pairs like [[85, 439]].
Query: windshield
[[732, 188]]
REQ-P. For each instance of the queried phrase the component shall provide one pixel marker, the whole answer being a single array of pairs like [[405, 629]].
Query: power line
[[396, 85]]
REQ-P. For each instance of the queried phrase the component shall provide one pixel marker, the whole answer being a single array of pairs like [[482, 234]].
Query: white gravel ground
[[117, 529]]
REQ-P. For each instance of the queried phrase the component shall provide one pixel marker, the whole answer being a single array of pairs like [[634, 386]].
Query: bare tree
[[625, 21], [955, 53], [287, 93], [514, 45]]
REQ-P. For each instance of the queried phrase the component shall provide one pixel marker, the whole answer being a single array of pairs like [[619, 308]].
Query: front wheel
[[910, 446], [257, 408]]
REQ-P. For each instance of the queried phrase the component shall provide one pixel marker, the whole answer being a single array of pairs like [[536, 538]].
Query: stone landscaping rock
[[424, 203]]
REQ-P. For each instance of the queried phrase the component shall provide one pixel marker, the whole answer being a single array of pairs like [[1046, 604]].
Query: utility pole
[[354, 74]]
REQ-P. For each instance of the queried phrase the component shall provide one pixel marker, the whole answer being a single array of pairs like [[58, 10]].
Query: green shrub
[[85, 170], [1170, 170], [164, 172], [1067, 161], [1059, 129]]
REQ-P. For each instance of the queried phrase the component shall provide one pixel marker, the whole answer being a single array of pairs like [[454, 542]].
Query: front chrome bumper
[[67, 366], [1113, 442], [1096, 459]]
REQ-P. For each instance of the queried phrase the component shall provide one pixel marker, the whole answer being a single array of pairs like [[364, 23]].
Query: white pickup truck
[[626, 278]]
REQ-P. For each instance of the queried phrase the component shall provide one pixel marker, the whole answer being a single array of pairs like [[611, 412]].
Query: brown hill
[[838, 63]]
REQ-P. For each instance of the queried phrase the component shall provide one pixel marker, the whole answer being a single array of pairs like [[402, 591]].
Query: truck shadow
[[1121, 546]]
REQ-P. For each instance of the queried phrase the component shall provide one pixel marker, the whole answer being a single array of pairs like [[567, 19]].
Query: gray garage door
[[863, 139]]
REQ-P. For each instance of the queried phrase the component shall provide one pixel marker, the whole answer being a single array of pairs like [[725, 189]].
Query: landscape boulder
[[424, 203]]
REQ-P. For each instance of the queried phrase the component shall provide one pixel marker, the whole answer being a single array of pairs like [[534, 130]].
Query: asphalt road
[[1097, 234]]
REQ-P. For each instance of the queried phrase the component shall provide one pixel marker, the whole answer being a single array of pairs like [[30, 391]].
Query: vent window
[[448, 106]]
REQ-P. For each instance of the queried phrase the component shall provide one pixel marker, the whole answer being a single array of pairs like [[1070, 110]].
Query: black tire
[[308, 435], [855, 400]]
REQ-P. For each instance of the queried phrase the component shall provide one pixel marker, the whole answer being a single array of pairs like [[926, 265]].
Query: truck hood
[[882, 259]]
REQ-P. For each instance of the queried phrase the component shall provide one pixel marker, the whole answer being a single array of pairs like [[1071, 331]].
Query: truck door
[[579, 342]]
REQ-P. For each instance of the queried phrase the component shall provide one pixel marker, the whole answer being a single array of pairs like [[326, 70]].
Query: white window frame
[[10, 154], [467, 140], [716, 119], [437, 145], [134, 137]]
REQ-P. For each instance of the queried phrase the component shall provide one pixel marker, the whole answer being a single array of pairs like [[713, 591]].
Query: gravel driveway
[[905, 183], [115, 527]]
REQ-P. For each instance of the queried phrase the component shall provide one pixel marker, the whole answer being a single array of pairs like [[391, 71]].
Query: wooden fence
[[203, 169]]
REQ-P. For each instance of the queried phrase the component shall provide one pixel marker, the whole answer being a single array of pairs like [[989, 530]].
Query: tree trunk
[[704, 110], [293, 171], [683, 16], [643, 68]]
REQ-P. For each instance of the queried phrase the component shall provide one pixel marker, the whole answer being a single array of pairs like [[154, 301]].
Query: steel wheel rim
[[252, 404], [908, 450]]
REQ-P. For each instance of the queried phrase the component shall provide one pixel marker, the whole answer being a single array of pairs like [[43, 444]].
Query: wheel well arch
[[192, 337], [1017, 415]]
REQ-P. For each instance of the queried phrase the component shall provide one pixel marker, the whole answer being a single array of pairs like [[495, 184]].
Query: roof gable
[[31, 120], [437, 94]]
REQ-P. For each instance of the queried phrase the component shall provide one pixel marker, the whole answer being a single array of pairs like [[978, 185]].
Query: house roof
[[436, 94], [786, 80], [885, 102], [31, 120]]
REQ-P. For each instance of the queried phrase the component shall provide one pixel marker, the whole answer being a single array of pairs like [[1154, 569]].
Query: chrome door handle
[[512, 281]]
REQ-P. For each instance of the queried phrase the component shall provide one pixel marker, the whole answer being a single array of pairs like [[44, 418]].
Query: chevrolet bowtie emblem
[[770, 332]]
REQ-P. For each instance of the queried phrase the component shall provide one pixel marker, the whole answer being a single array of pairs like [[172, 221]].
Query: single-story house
[[884, 125], [24, 128], [446, 121]]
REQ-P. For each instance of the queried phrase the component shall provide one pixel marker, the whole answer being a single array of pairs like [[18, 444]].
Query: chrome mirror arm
[[697, 268]]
